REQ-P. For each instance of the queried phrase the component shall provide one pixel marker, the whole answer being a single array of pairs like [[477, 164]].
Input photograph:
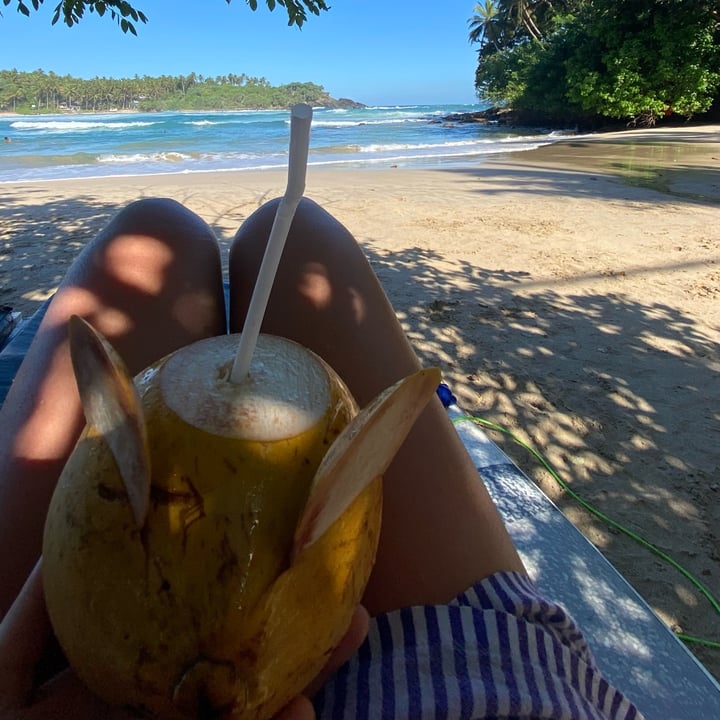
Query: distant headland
[[46, 92]]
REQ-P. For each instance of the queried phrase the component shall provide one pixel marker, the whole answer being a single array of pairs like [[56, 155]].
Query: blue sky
[[375, 51]]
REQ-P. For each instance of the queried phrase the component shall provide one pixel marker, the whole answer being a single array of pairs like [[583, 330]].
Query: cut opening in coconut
[[286, 392]]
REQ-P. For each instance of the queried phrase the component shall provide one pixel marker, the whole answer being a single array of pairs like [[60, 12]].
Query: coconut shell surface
[[198, 612]]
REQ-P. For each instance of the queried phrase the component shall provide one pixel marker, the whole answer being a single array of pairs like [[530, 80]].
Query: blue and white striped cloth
[[498, 650]]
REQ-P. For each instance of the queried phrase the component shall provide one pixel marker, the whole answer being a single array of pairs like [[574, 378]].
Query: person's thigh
[[150, 282], [441, 531]]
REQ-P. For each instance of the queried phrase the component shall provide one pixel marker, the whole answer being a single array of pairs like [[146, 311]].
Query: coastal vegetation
[[46, 92], [585, 61], [582, 62]]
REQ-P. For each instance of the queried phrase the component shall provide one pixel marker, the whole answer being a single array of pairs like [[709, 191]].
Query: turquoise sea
[[50, 147]]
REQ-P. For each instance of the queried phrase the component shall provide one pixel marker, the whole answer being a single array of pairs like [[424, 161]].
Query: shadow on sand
[[598, 383]]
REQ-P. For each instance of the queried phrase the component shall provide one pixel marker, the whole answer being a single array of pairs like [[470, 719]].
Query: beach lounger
[[9, 322], [635, 649]]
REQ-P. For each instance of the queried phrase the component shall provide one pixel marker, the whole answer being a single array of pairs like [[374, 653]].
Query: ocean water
[[51, 147]]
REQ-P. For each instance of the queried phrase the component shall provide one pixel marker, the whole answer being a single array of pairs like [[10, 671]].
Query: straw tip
[[301, 111]]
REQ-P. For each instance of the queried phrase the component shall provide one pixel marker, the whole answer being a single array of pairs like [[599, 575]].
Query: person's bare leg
[[150, 282], [441, 531]]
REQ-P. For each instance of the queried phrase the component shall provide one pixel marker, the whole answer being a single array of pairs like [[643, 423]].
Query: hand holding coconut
[[24, 634]]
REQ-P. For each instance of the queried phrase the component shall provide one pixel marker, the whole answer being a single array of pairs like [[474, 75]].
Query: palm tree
[[10, 88], [501, 24], [484, 24], [522, 11], [535, 17]]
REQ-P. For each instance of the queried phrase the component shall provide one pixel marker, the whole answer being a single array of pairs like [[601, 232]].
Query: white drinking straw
[[300, 120]]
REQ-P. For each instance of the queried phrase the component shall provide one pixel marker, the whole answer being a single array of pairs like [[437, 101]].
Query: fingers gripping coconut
[[212, 532]]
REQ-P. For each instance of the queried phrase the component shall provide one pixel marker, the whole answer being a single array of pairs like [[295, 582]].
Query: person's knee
[[312, 227], [258, 224], [164, 219], [150, 241], [149, 210]]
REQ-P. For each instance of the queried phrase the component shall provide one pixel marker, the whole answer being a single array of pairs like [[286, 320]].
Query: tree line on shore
[[579, 62], [585, 61], [47, 92]]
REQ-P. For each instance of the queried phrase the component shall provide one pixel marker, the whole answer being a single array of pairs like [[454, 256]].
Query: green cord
[[699, 641], [609, 521]]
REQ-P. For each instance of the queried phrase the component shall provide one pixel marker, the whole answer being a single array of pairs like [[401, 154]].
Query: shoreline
[[60, 148], [621, 153], [571, 294]]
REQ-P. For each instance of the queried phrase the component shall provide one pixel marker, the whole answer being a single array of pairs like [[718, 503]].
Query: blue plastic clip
[[445, 395]]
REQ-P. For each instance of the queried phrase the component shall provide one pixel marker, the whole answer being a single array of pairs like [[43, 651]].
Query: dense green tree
[[635, 60], [642, 59], [39, 91], [72, 11]]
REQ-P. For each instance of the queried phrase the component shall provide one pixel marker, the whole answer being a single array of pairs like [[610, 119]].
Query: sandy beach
[[570, 294]]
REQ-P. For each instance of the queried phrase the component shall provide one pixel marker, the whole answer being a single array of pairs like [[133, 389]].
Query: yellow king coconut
[[208, 541]]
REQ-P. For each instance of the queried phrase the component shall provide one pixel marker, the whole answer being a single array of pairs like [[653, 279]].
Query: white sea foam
[[68, 125], [87, 146], [394, 107], [360, 123], [201, 123], [465, 145], [144, 157]]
